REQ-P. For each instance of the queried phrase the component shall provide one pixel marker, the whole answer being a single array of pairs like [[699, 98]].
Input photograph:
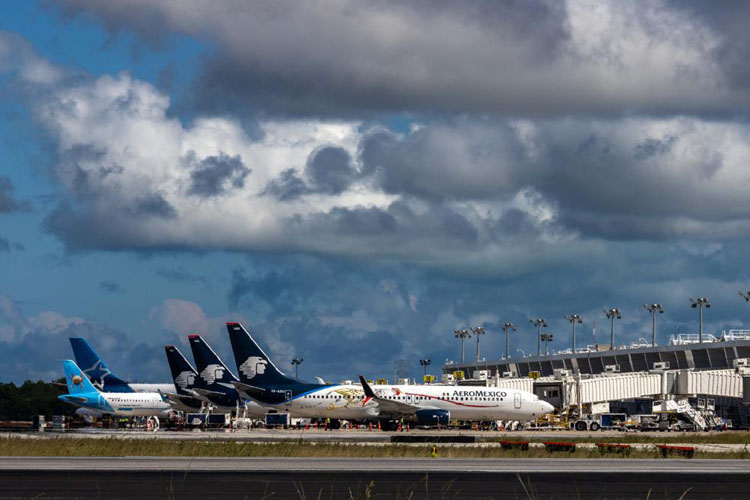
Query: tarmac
[[382, 478]]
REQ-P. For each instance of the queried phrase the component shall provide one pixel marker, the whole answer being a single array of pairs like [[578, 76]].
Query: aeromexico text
[[479, 394]]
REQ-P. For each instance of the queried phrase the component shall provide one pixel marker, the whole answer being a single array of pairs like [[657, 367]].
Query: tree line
[[33, 398]]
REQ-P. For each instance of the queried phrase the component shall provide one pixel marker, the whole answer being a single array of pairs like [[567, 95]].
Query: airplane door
[[409, 398], [517, 401], [287, 396]]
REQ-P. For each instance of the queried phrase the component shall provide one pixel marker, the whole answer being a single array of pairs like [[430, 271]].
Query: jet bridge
[[587, 389]]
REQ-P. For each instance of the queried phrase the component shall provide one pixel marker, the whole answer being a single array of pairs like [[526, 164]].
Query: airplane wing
[[262, 396], [207, 393], [77, 399], [385, 405]]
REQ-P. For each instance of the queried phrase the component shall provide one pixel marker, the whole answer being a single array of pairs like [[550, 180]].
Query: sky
[[355, 180]]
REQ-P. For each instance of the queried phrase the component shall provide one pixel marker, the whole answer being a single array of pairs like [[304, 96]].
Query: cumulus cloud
[[535, 57], [467, 193], [32, 346], [493, 188], [180, 316]]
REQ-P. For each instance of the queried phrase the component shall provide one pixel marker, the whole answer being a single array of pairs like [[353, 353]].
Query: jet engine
[[433, 417]]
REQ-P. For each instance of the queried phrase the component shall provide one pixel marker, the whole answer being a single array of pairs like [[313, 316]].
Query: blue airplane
[[81, 392], [102, 377]]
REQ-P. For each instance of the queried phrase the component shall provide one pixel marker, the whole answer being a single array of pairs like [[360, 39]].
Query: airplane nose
[[547, 408]]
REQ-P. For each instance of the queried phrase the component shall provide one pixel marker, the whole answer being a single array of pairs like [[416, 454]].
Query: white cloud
[[180, 316]]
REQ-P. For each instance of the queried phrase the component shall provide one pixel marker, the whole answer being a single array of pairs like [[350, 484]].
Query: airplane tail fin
[[95, 367], [183, 373], [254, 367], [211, 368], [77, 381]]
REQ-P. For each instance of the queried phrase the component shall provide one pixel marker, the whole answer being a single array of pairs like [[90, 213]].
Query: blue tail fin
[[96, 368], [78, 382], [184, 375], [211, 368], [254, 367]]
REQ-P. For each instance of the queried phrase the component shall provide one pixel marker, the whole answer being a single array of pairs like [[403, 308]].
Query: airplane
[[81, 392], [185, 377], [262, 381], [102, 377], [215, 381]]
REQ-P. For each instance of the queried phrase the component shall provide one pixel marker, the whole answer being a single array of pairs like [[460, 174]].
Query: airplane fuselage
[[462, 402], [130, 404]]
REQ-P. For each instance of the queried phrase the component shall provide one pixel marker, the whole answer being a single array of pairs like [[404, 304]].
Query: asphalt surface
[[481, 465], [178, 478]]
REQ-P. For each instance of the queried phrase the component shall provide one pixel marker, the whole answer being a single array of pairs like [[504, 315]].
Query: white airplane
[[261, 380], [81, 392]]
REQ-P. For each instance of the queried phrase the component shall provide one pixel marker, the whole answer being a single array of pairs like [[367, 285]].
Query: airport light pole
[[699, 304], [547, 338], [612, 314], [574, 318], [295, 363], [653, 309], [508, 327], [462, 334], [539, 323], [425, 363], [478, 330]]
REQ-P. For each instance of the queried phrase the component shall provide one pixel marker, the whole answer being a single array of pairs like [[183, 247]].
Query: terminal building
[[710, 376]]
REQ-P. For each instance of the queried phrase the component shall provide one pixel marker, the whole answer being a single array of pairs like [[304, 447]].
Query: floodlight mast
[[547, 338], [462, 334], [612, 314], [425, 363], [508, 327], [539, 323], [295, 363], [653, 309], [478, 330], [699, 304], [574, 318]]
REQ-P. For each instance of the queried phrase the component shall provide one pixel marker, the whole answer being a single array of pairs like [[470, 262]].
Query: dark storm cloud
[[271, 287], [651, 147], [729, 19], [609, 179], [108, 286], [8, 201], [287, 186], [398, 221], [152, 205], [215, 175], [529, 58], [74, 164], [329, 170], [85, 226], [447, 160]]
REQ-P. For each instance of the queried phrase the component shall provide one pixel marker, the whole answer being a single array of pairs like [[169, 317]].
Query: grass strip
[[117, 447]]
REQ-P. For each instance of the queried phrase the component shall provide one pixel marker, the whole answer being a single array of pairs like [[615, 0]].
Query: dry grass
[[733, 437], [117, 447]]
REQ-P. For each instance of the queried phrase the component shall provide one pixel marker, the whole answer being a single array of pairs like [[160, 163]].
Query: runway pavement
[[383, 478], [481, 465]]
